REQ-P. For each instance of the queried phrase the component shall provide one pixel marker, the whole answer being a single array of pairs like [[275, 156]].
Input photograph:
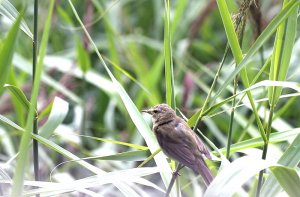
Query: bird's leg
[[174, 176], [176, 172]]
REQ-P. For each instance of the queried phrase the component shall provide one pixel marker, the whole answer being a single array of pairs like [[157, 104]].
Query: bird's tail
[[205, 172]]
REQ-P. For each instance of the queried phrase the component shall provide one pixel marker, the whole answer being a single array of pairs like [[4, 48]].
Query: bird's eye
[[155, 111]]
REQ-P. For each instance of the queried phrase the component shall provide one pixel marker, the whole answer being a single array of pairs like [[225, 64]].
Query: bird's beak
[[148, 111]]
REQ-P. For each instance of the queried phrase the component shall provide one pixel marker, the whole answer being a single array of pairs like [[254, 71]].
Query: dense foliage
[[230, 68]]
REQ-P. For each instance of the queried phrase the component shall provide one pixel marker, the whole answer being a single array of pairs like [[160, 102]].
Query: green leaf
[[133, 112], [10, 123], [67, 154], [9, 11], [25, 66], [138, 155], [19, 172], [19, 95], [265, 83], [231, 178], [238, 56], [64, 15], [110, 32], [257, 142], [117, 142], [57, 115], [288, 179], [290, 158], [7, 50], [129, 176], [82, 56], [282, 53], [169, 75], [264, 36]]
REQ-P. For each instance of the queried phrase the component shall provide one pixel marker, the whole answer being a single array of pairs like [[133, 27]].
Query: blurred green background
[[92, 120]]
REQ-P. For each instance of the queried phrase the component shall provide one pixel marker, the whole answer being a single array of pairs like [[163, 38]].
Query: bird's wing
[[178, 144], [200, 145]]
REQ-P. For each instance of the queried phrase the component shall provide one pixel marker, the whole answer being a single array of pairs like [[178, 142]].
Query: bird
[[179, 142]]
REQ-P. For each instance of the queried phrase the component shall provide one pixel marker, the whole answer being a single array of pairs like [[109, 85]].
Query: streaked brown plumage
[[178, 141]]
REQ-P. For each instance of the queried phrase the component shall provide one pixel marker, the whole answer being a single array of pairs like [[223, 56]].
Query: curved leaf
[[288, 179], [234, 175], [290, 158], [57, 115], [8, 10], [7, 50], [19, 95]]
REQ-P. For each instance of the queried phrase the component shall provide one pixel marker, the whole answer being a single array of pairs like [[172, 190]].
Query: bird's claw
[[176, 173]]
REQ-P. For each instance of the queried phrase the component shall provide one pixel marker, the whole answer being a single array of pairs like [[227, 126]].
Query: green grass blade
[[261, 84], [230, 179], [7, 51], [67, 154], [25, 141], [58, 113], [112, 36], [290, 158], [282, 53], [10, 123], [265, 35], [133, 112], [238, 56], [25, 66], [19, 95], [257, 142], [129, 176], [230, 31], [169, 75], [8, 10], [288, 179], [139, 147], [178, 15], [82, 56], [138, 155]]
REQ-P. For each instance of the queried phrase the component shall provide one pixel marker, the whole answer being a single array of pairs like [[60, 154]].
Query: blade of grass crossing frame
[[58, 113], [9, 11], [282, 52], [135, 115], [169, 75], [7, 51], [264, 36], [290, 158], [178, 15], [284, 41], [19, 95], [288, 179], [238, 56], [234, 175], [24, 145]]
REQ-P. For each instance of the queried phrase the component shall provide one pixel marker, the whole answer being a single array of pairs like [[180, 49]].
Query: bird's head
[[161, 112]]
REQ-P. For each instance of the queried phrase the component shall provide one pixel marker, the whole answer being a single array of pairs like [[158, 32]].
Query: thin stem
[[35, 125], [174, 176], [206, 102], [235, 84], [261, 173], [265, 150], [240, 30], [84, 112], [261, 53], [230, 129]]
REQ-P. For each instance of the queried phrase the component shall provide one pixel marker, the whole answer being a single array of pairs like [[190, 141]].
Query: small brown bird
[[178, 141]]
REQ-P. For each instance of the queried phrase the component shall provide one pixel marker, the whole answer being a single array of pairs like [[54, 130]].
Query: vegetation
[[70, 114]]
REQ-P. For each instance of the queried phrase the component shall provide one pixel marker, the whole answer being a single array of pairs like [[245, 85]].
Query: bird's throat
[[159, 123]]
